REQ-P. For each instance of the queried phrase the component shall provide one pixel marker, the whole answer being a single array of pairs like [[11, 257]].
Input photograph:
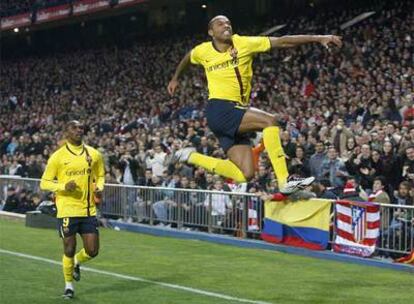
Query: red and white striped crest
[[357, 227]]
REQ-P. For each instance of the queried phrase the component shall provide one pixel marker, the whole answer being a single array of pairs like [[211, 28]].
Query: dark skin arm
[[173, 84], [276, 42], [98, 194], [292, 41]]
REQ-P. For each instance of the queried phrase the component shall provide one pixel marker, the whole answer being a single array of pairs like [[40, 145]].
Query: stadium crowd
[[347, 115]]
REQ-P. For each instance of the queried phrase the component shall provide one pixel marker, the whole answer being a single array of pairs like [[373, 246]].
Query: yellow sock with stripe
[[223, 167], [273, 145], [82, 257], [67, 264]]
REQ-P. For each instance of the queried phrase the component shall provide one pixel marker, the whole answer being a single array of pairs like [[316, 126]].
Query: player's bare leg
[[240, 165], [257, 120], [91, 244], [242, 157], [89, 251]]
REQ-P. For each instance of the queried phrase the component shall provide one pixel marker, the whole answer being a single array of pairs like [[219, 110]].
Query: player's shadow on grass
[[127, 285], [121, 286]]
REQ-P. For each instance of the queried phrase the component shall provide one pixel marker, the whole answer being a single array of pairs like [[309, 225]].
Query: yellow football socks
[[82, 257], [228, 169], [218, 166], [67, 268], [276, 154], [201, 160]]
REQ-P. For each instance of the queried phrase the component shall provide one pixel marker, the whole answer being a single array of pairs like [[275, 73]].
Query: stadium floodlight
[[357, 19], [272, 30], [16, 30]]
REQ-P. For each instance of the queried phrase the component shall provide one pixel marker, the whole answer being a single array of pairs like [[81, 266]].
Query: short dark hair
[[406, 184], [72, 123], [210, 23], [409, 147], [381, 179]]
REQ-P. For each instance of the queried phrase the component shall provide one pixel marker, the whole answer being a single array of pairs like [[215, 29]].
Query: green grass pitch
[[244, 274]]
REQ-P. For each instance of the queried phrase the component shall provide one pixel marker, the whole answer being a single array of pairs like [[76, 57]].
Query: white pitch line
[[132, 278]]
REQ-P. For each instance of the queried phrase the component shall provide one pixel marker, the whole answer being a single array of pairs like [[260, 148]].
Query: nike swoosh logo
[[66, 163]]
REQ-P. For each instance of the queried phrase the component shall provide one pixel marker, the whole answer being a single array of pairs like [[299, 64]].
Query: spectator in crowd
[[402, 196], [33, 169], [220, 204], [316, 160], [402, 219], [408, 165], [28, 202], [12, 201], [299, 165], [391, 166], [156, 160], [205, 147], [339, 136], [334, 169], [350, 149], [377, 165], [262, 177], [362, 167], [12, 146], [350, 191], [288, 146], [378, 195]]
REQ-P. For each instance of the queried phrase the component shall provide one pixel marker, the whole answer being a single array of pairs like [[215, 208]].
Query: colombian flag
[[303, 223]]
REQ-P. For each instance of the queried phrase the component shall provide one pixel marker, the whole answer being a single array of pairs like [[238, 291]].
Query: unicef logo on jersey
[[76, 172], [224, 65]]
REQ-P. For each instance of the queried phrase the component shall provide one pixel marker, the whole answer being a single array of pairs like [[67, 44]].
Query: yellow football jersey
[[82, 164], [230, 78]]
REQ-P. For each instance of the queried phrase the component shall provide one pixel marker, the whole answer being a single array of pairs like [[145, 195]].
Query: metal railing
[[397, 229], [237, 214], [213, 211]]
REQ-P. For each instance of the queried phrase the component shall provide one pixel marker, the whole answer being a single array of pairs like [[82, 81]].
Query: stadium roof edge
[[56, 16]]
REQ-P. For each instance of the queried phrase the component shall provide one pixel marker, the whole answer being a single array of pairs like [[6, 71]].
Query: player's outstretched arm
[[173, 84], [292, 41]]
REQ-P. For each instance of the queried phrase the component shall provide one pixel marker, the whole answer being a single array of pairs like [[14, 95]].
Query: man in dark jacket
[[408, 167], [204, 147], [12, 202], [129, 168]]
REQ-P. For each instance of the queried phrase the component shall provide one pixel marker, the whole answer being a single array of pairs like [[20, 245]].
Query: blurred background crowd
[[347, 115]]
